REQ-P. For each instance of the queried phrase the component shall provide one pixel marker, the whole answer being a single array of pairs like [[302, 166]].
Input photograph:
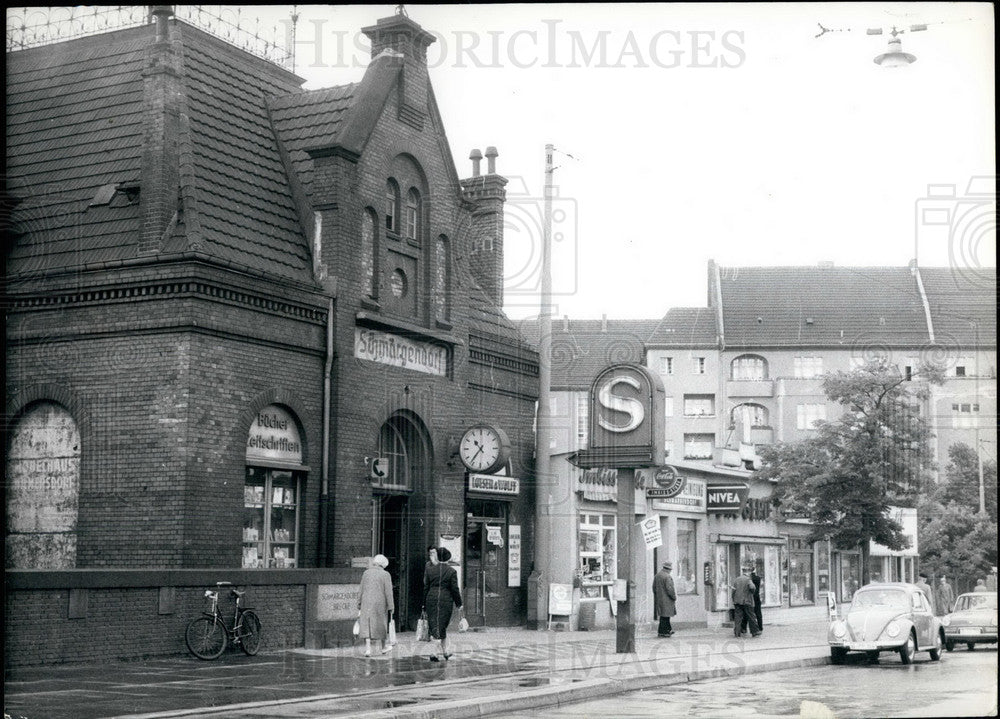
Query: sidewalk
[[504, 669]]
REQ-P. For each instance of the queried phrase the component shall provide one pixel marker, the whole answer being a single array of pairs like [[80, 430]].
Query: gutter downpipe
[[324, 494]]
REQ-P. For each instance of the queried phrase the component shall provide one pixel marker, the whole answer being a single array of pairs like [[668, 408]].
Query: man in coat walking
[[945, 597], [924, 587], [664, 599], [743, 604]]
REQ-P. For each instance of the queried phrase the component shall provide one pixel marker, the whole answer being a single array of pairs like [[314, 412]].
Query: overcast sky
[[726, 132]]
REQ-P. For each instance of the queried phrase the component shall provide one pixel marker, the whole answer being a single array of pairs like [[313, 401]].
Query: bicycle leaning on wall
[[207, 636]]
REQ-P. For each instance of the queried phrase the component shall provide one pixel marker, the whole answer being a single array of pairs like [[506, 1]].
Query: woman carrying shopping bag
[[376, 605], [441, 596]]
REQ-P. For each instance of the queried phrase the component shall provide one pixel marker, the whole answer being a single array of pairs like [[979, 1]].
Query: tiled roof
[[821, 307], [310, 119], [74, 125], [244, 205], [685, 327], [963, 305]]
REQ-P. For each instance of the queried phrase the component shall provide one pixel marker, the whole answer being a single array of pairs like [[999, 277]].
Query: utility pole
[[543, 473], [982, 486]]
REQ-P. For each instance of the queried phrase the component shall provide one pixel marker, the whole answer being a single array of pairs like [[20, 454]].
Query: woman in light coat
[[375, 604]]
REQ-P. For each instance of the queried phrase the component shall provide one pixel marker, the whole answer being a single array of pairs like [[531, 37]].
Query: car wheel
[[936, 651], [949, 645], [970, 645], [907, 651], [837, 655]]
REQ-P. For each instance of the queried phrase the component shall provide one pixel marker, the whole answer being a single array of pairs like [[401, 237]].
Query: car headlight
[[839, 629], [893, 629], [946, 620]]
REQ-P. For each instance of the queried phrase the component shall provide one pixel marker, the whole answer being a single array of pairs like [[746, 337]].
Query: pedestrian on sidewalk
[[757, 604], [980, 586], [743, 604], [664, 599], [991, 580], [924, 587], [945, 597], [375, 605], [441, 596]]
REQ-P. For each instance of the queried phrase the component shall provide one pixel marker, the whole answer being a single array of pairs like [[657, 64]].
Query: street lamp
[[895, 57]]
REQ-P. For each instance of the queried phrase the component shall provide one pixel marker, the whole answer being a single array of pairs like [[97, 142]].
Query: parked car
[[887, 617], [972, 621]]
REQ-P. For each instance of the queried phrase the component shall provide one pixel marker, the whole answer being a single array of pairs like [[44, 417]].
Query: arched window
[[412, 214], [391, 205], [750, 414], [749, 367], [43, 489], [369, 252], [442, 279]]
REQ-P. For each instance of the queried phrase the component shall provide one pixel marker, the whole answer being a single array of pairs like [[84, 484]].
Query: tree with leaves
[[875, 456], [955, 539]]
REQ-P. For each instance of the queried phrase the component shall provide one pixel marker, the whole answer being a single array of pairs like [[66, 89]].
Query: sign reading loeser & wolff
[[626, 418]]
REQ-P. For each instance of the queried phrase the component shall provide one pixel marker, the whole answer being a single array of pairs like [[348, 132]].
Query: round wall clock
[[484, 448]]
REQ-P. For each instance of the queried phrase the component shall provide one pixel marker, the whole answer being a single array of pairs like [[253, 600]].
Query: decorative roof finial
[[401, 10]]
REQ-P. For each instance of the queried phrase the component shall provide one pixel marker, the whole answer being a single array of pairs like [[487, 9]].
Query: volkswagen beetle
[[887, 617], [973, 621]]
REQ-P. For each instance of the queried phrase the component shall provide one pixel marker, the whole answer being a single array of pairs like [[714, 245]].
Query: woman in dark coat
[[441, 595]]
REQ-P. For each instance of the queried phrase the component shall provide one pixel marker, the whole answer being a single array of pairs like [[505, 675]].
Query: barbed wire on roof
[[29, 27]]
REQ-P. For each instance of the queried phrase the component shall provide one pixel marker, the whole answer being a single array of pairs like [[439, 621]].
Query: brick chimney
[[161, 100], [485, 249], [400, 35]]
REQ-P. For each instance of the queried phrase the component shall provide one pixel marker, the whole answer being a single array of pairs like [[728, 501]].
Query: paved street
[[963, 684]]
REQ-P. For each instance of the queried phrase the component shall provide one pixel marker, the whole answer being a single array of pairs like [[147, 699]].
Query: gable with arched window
[[749, 368]]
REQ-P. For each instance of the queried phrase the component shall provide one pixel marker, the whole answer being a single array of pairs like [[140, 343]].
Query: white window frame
[[698, 365], [808, 367], [666, 365], [702, 438], [807, 414], [699, 405]]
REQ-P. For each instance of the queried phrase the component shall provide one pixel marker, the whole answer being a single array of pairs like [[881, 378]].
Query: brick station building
[[247, 325]]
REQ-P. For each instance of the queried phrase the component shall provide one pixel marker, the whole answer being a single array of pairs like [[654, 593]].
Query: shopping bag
[[357, 627], [392, 631], [463, 625], [423, 629]]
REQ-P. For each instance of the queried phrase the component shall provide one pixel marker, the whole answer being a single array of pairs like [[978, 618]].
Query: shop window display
[[270, 519], [598, 553], [686, 569]]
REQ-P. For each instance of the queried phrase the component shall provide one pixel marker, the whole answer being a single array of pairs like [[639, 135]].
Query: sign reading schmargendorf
[[626, 418], [398, 351]]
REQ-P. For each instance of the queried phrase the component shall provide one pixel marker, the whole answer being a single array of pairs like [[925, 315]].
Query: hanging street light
[[895, 57]]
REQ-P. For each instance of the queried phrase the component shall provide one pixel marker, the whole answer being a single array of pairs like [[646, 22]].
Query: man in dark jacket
[[664, 599], [757, 604], [743, 604]]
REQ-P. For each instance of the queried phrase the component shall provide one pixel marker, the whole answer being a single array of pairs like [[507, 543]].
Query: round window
[[398, 283]]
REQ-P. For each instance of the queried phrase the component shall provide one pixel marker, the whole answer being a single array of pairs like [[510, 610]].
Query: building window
[[668, 407], [598, 550], [43, 488], [699, 405], [412, 214], [442, 279], [668, 448], [270, 518], [698, 365], [766, 561], [800, 572], [666, 365], [749, 368], [582, 416], [750, 414], [685, 576], [368, 252], [808, 367], [391, 205], [807, 415], [960, 370], [698, 446], [850, 575], [964, 415]]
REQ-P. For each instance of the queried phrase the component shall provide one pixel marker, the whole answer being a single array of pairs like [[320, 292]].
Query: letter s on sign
[[628, 405]]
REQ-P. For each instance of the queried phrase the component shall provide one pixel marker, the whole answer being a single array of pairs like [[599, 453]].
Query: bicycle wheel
[[206, 637], [249, 632]]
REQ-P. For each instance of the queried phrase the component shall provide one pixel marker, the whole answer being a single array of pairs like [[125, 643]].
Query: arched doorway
[[43, 489], [400, 509]]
